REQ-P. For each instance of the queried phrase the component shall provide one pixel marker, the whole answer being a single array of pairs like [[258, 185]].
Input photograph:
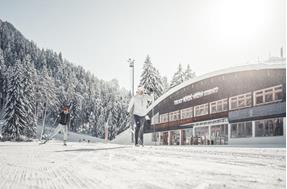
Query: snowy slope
[[82, 165], [123, 138], [72, 137]]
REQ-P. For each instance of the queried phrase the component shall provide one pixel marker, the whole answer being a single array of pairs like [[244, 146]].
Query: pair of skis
[[44, 142]]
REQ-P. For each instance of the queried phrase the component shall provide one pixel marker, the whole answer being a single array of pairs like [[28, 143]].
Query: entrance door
[[219, 134]]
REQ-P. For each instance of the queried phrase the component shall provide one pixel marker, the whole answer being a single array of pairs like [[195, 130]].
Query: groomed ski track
[[99, 165]]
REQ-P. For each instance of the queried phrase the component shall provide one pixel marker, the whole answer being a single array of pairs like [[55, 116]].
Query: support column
[[253, 129], [229, 131], [209, 132], [180, 137], [169, 138], [284, 126]]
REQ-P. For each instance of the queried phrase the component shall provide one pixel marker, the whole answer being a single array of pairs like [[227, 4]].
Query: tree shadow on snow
[[91, 149]]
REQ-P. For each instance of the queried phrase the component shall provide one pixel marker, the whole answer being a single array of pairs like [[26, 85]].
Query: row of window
[[267, 127], [262, 128], [263, 96]]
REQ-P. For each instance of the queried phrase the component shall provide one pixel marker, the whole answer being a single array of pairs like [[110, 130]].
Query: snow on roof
[[261, 66]]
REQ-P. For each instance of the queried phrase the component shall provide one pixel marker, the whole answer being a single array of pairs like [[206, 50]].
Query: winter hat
[[140, 89]]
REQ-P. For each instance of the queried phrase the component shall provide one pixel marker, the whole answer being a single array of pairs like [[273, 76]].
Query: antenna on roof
[[281, 52]]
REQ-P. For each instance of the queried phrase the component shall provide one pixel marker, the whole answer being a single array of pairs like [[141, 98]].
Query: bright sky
[[101, 35]]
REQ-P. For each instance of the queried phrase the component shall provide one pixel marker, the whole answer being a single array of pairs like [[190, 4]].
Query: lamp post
[[132, 66]]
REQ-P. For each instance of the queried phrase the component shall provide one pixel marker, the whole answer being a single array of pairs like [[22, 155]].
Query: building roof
[[261, 66]]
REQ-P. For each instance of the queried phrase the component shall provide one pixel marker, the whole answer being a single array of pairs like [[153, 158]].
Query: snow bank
[[72, 137]]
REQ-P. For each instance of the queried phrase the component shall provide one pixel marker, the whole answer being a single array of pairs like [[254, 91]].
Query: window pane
[[241, 130], [248, 101], [278, 95], [213, 109], [248, 129], [233, 104], [259, 128], [241, 102], [233, 130], [269, 97], [278, 130], [259, 99], [225, 107]]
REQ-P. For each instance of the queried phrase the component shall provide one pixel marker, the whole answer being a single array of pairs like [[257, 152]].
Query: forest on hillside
[[34, 80], [35, 84]]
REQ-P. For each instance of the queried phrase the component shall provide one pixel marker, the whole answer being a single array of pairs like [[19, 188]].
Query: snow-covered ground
[[98, 165], [72, 136]]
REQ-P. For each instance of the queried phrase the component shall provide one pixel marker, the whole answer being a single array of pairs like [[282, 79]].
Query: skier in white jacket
[[138, 107]]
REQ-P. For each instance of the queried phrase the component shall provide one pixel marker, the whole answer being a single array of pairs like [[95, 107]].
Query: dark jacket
[[63, 118]]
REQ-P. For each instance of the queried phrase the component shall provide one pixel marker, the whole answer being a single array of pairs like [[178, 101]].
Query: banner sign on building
[[196, 95]]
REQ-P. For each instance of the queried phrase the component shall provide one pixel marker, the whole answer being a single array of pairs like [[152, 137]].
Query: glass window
[[241, 130], [218, 106], [187, 113], [173, 116], [278, 93], [201, 110], [219, 130], [233, 103], [164, 118], [268, 95], [269, 127], [155, 137], [248, 100], [259, 99], [240, 101], [155, 119], [201, 131]]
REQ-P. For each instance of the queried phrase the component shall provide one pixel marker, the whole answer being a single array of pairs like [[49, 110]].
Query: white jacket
[[140, 104]]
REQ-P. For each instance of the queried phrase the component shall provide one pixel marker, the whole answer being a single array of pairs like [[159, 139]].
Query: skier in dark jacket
[[63, 121]]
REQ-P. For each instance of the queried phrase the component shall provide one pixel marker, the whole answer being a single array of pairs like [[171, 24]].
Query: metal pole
[[43, 124], [152, 113], [132, 66]]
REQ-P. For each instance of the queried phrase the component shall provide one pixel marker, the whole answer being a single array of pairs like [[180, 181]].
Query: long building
[[243, 105]]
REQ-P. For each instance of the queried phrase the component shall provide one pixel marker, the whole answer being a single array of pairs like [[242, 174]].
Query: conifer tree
[[29, 75], [15, 109], [188, 74], [150, 78], [178, 77]]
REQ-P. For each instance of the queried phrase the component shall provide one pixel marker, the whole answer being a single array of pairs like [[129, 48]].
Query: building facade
[[240, 105]]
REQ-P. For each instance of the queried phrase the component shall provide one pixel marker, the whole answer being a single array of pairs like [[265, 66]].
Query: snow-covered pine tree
[[125, 118], [165, 84], [47, 89], [150, 78], [188, 74], [15, 108], [92, 122], [178, 77], [3, 79], [29, 74], [101, 124], [112, 126]]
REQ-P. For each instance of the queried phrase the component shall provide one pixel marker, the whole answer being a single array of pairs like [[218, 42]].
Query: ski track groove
[[52, 166]]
